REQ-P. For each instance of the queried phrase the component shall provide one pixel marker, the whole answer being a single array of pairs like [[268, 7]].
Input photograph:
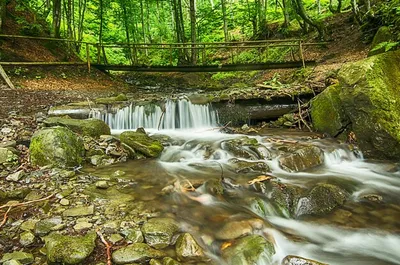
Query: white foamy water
[[180, 114]]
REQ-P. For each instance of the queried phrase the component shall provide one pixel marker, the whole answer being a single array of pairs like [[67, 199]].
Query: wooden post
[[301, 54], [5, 77], [104, 54], [170, 54], [203, 55], [98, 53], [135, 55], [88, 56]]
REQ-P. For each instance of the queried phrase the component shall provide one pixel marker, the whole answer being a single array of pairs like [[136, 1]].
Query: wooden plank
[[203, 68], [5, 77], [41, 63]]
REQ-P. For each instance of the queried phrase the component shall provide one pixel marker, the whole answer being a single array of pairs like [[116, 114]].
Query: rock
[[64, 202], [199, 99], [242, 166], [8, 144], [137, 252], [56, 146], [22, 257], [382, 35], [79, 211], [16, 176], [12, 262], [295, 260], [78, 110], [43, 227], [155, 262], [285, 197], [369, 97], [322, 199], [249, 250], [28, 225], [187, 249], [5, 155], [235, 229], [134, 235], [158, 232], [90, 127], [26, 238], [245, 147], [101, 184], [142, 143], [170, 261], [111, 100], [69, 249], [115, 238], [83, 226], [302, 159]]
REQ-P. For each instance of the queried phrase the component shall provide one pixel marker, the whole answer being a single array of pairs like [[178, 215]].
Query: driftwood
[[6, 78]]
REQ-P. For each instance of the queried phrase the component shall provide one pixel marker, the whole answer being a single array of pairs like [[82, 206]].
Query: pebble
[[83, 226], [64, 202], [102, 184], [16, 176], [115, 238]]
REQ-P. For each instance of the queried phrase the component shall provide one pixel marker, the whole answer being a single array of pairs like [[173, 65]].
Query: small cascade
[[180, 114]]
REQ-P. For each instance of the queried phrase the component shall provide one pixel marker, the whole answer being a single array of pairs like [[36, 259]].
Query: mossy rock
[[243, 166], [142, 143], [89, 127], [56, 146], [187, 249], [327, 113], [158, 232], [382, 35], [137, 252], [249, 250], [78, 111], [69, 249], [111, 100]]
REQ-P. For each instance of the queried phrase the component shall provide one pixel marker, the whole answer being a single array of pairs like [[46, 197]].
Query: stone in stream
[[296, 260], [187, 249], [249, 250], [170, 261], [158, 232], [79, 211], [26, 238], [56, 146], [22, 257], [322, 199], [235, 229], [89, 127], [137, 252], [242, 166], [111, 100], [245, 147], [69, 249], [12, 262], [43, 227], [142, 143], [302, 159]]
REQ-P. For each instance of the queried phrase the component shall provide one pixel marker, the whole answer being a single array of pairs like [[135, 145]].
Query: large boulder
[[382, 35], [248, 250], [302, 159], [90, 127], [142, 143], [57, 146], [368, 100], [69, 249]]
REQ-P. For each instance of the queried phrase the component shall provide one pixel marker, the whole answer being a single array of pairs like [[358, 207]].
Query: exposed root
[[108, 247]]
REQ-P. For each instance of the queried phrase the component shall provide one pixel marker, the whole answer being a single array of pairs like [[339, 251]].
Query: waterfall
[[180, 114]]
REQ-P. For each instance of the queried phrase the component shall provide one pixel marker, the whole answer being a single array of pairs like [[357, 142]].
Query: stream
[[209, 182]]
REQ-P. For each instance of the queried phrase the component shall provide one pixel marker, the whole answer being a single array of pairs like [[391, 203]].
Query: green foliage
[[387, 45], [223, 76]]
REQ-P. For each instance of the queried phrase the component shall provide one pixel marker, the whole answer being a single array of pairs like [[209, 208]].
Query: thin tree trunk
[[56, 18], [192, 7], [223, 5], [101, 22], [302, 13], [3, 12], [285, 11]]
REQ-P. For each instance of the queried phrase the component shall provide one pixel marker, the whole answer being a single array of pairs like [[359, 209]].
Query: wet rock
[[77, 110], [26, 238], [295, 260], [12, 262], [57, 146], [69, 249], [7, 144], [22, 257], [79, 211], [28, 225], [82, 226], [235, 229], [5, 155], [170, 261], [158, 232], [115, 238], [187, 249], [89, 127], [285, 197], [155, 262], [241, 166], [137, 252], [245, 147], [302, 159], [64, 202], [322, 199], [253, 249], [43, 227], [101, 184], [16, 176], [134, 235], [142, 143], [214, 186], [18, 194]]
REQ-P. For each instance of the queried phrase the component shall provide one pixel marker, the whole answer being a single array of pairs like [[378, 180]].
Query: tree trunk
[[285, 11], [338, 8], [192, 7], [142, 21], [298, 4], [3, 11], [223, 5], [56, 18]]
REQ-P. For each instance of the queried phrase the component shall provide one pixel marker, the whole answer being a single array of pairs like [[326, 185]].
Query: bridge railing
[[173, 54]]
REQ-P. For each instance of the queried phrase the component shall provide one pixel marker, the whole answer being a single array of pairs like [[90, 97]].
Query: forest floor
[[40, 87]]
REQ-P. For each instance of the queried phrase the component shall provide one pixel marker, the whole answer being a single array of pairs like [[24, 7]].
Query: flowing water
[[364, 230]]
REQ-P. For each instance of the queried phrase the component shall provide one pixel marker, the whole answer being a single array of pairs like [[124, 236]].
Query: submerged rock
[[57, 146], [137, 252], [296, 260], [302, 159], [142, 143], [89, 127], [158, 232], [322, 199], [79, 211], [242, 166], [188, 249], [236, 229], [69, 249], [367, 103], [249, 250]]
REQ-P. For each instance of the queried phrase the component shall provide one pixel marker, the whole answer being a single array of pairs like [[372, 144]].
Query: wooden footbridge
[[162, 57]]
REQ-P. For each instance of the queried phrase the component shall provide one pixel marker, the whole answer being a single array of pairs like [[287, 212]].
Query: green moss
[[382, 35], [142, 143], [90, 127], [325, 197], [111, 100]]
